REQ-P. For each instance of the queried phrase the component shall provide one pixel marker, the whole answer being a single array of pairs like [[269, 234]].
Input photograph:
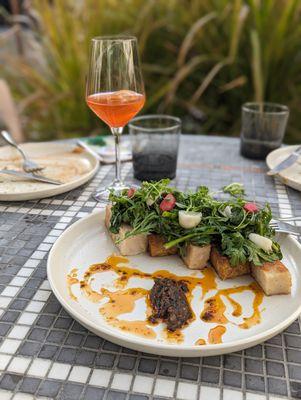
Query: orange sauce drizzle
[[200, 342], [256, 316], [123, 302], [72, 280], [91, 294], [215, 307], [214, 310], [138, 328], [176, 337], [215, 334]]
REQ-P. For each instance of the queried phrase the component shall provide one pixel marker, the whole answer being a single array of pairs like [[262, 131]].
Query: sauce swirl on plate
[[215, 334], [123, 300], [214, 310]]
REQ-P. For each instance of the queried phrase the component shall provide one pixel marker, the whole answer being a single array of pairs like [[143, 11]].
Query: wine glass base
[[102, 195]]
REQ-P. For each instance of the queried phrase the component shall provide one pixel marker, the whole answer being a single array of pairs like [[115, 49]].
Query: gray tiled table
[[45, 353]]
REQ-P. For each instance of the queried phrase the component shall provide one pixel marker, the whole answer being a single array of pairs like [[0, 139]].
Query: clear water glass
[[155, 144], [263, 128]]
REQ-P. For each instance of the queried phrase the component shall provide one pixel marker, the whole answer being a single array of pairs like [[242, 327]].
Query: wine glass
[[114, 91]]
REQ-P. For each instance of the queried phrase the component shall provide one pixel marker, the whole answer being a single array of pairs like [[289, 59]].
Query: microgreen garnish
[[234, 189]]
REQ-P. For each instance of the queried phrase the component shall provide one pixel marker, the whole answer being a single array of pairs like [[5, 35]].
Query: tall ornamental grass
[[201, 60]]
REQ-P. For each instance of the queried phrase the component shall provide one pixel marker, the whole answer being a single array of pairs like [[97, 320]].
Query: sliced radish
[[261, 241], [150, 201], [189, 219], [168, 203], [251, 207], [228, 211], [131, 192]]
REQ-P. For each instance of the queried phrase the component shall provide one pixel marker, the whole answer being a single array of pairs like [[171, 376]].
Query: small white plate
[[107, 152], [87, 242], [109, 149], [290, 176], [62, 163]]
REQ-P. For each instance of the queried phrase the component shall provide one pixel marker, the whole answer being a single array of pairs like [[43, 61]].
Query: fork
[[28, 165], [285, 219], [284, 227]]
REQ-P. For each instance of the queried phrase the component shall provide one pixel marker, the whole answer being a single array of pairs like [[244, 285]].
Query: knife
[[29, 176], [290, 160], [101, 159], [89, 150]]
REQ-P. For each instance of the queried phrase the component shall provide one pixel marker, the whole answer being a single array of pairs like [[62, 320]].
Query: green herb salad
[[239, 228]]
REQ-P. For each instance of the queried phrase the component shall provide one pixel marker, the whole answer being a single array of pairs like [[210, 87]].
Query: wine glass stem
[[117, 135]]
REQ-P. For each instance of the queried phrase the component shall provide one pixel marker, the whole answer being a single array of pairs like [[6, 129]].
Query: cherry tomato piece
[[131, 192], [251, 207], [168, 202]]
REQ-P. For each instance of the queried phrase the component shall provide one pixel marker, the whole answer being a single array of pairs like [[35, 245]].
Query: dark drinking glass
[[263, 128], [155, 143]]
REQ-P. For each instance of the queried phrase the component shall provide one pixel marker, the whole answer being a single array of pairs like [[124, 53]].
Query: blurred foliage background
[[201, 60]]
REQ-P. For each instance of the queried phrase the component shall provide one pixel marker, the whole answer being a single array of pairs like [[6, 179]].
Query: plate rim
[[192, 350], [55, 190], [282, 176]]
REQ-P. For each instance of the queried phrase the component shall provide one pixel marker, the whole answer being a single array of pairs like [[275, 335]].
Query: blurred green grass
[[201, 60]]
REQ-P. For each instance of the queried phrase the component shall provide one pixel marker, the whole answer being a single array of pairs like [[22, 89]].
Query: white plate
[[290, 176], [59, 157], [107, 152], [87, 242]]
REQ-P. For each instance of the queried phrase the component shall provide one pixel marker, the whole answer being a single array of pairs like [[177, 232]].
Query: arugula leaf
[[234, 189], [232, 245]]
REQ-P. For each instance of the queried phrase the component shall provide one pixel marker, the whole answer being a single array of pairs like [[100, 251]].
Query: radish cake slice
[[156, 246], [273, 277], [128, 247], [197, 257], [223, 267]]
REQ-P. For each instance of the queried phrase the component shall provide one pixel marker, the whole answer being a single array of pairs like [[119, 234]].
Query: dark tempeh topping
[[169, 303]]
